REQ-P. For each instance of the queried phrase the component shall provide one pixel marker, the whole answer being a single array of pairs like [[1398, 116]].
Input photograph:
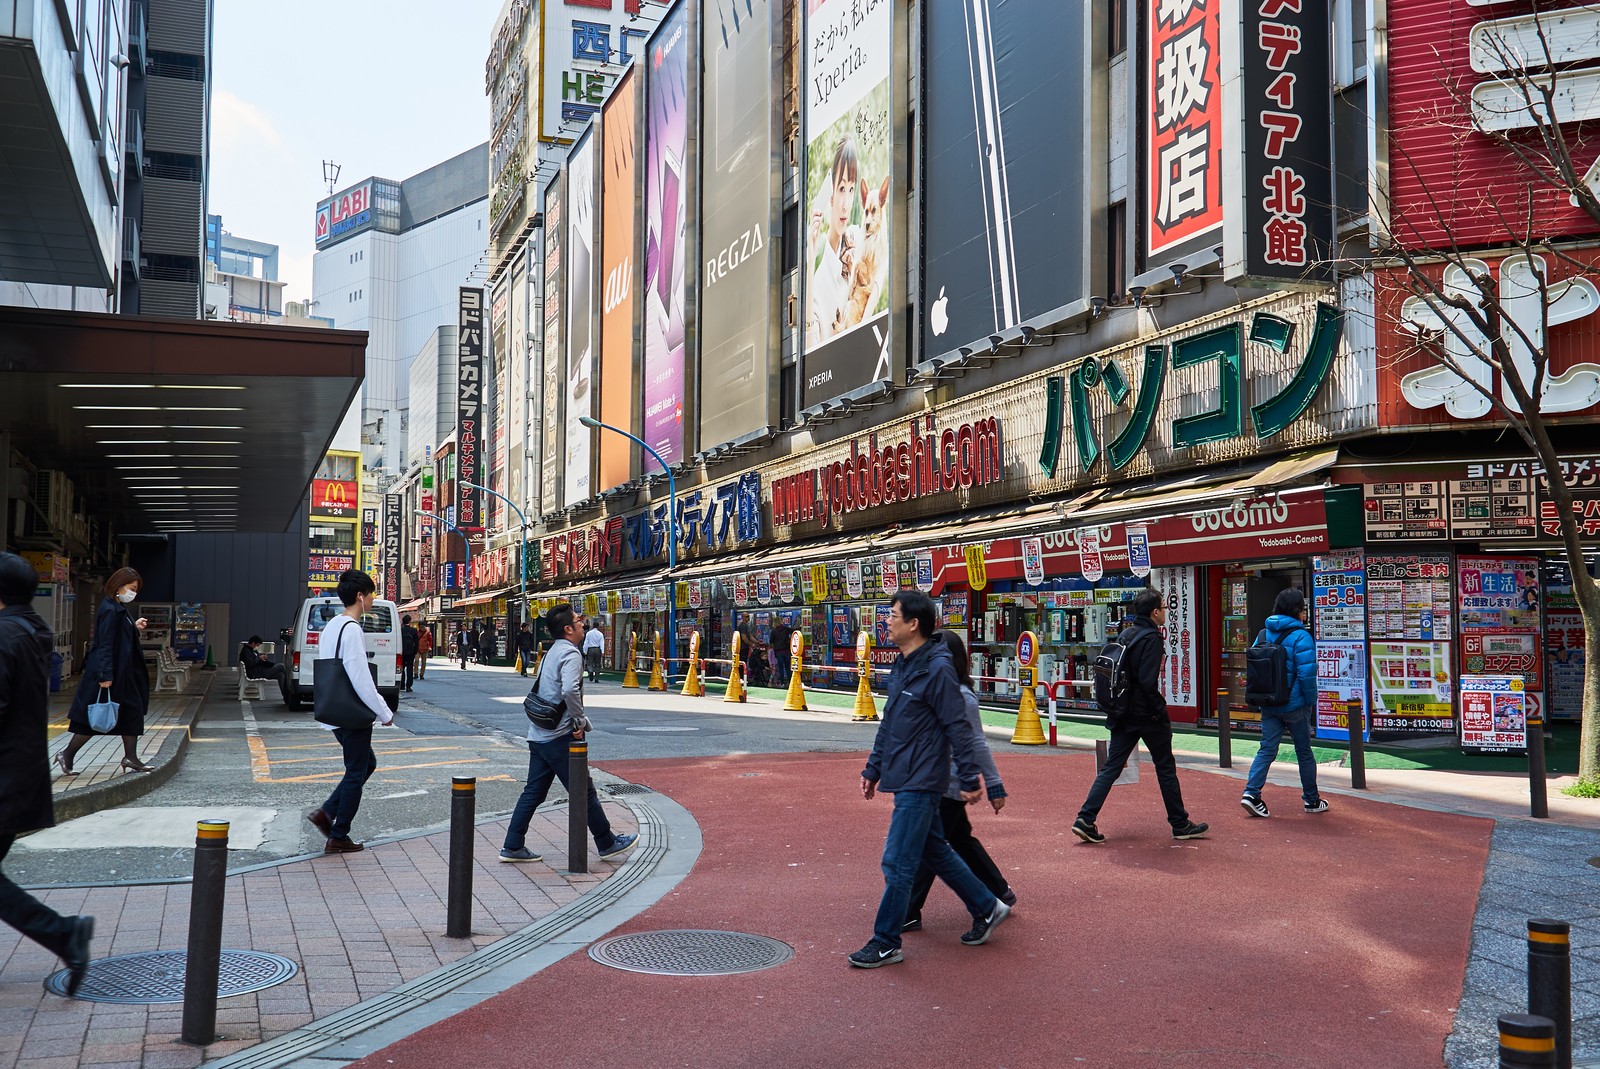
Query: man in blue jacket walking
[[1286, 626], [924, 723]]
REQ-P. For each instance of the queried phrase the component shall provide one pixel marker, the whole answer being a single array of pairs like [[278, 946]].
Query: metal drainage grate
[[157, 976], [691, 952], [628, 788]]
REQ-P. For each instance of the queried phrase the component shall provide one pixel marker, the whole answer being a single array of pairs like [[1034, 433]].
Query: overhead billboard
[[619, 181], [1004, 169], [579, 270], [849, 197], [666, 142], [554, 354], [739, 183], [587, 45], [334, 499]]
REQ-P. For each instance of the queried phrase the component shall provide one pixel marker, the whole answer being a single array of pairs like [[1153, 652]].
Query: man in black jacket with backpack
[[1142, 718]]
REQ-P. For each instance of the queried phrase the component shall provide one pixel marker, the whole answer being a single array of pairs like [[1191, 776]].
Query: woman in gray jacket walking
[[953, 812]]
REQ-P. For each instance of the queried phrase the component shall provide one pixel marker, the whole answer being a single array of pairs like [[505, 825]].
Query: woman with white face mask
[[116, 670]]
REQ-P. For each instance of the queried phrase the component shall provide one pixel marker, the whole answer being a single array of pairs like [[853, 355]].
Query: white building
[[433, 394], [390, 258]]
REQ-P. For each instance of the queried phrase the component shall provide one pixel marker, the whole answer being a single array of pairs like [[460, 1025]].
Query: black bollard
[[1100, 747], [1526, 1040], [204, 960], [1550, 981], [577, 806], [1358, 746], [463, 809], [1224, 730], [1538, 800]]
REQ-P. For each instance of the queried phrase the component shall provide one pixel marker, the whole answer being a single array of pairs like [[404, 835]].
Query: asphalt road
[[262, 767]]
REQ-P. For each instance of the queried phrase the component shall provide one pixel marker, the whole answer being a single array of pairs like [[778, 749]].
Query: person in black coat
[[25, 648], [114, 669]]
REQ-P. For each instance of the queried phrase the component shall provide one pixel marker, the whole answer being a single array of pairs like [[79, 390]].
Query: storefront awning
[[1194, 492], [480, 599], [413, 606], [172, 425]]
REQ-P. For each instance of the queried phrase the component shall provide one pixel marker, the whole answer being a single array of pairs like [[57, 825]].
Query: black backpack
[[1267, 682], [1112, 688]]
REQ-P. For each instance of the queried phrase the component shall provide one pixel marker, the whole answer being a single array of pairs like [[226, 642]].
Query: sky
[[390, 90]]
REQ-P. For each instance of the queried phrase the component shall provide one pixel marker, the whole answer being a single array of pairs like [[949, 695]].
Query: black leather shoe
[[320, 819], [342, 846], [77, 955]]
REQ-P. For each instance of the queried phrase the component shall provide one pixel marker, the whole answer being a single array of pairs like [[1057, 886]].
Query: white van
[[381, 627]]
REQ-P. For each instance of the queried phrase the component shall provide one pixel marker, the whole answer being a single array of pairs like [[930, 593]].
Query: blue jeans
[[916, 835], [1298, 722], [547, 761], [359, 765]]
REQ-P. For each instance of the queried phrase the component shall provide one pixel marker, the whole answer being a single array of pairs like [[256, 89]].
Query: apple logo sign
[[939, 314]]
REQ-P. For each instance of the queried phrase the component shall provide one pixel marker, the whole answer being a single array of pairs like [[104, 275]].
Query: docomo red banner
[[1451, 185], [1265, 529], [929, 462]]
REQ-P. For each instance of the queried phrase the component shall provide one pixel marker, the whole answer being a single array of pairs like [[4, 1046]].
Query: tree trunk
[[1588, 597]]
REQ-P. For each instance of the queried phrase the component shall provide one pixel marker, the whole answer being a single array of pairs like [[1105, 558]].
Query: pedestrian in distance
[[924, 725], [25, 648], [1142, 718], [1286, 627], [333, 818], [559, 681], [424, 650], [408, 653], [594, 651], [466, 645], [782, 635], [256, 666], [486, 643], [115, 670], [527, 645], [953, 811]]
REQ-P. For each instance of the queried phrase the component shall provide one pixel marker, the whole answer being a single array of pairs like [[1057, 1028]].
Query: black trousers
[[30, 916], [275, 671], [408, 671], [360, 762], [1157, 739], [958, 833]]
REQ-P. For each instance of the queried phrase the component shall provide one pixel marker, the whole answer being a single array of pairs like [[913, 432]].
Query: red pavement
[[1337, 940]]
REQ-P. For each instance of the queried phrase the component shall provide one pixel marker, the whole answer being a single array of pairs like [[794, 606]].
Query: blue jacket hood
[[1280, 623]]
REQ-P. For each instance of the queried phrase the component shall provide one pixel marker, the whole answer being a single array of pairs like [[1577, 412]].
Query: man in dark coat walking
[[25, 647]]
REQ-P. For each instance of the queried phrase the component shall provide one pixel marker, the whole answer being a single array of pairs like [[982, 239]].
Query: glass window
[[379, 621]]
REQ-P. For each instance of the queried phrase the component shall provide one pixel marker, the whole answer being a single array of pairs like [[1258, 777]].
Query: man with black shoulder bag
[[555, 716]]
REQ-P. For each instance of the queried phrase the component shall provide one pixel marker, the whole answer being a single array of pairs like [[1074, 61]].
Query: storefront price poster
[[1139, 551], [977, 568], [1180, 676], [1341, 683], [925, 571], [696, 595], [741, 590], [889, 574], [1498, 599], [1411, 687], [1092, 566], [808, 589], [1564, 655], [764, 588], [1494, 715], [786, 585], [1339, 596], [1033, 561], [852, 579], [955, 609], [660, 598]]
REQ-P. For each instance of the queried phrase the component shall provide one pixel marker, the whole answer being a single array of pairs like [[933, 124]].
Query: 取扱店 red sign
[[1183, 145]]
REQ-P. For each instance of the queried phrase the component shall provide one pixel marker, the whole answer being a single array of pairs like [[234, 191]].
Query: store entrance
[[1245, 595]]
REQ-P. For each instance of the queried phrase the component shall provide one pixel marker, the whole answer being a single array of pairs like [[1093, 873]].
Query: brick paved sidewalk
[[359, 925]]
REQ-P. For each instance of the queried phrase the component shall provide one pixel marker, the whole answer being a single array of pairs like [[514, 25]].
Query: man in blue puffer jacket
[[1286, 626]]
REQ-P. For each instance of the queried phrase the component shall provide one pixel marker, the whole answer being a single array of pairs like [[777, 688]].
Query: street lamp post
[[524, 550], [466, 579], [672, 531]]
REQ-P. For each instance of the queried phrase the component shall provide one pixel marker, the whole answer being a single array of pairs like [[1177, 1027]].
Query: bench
[[172, 675]]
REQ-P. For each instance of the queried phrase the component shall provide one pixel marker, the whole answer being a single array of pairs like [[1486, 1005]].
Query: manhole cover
[[690, 952], [157, 976], [628, 788]]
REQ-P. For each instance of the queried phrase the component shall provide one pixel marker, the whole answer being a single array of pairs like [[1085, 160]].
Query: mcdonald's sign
[[335, 499]]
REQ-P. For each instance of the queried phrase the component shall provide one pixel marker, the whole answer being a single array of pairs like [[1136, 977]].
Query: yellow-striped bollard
[[658, 680], [630, 675], [795, 701], [735, 691], [693, 687], [1028, 732], [538, 659], [866, 707]]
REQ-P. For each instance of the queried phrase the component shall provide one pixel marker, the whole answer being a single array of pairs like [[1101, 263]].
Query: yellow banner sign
[[977, 574]]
